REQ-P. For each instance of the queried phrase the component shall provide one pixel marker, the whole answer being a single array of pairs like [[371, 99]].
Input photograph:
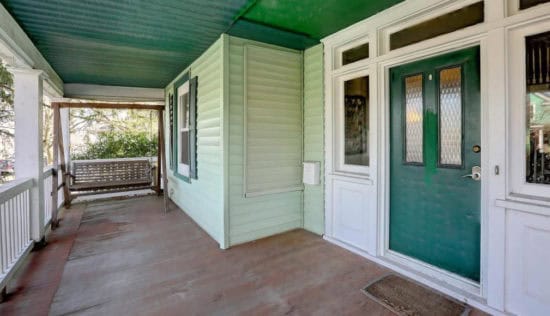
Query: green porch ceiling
[[314, 18], [143, 43]]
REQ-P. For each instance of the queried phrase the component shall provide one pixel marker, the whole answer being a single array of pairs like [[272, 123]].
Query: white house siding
[[251, 218], [202, 199], [313, 136]]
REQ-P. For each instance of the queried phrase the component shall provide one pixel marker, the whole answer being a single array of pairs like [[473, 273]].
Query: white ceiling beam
[[113, 93]]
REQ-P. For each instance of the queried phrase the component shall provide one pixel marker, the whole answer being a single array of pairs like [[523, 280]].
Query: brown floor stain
[[129, 258]]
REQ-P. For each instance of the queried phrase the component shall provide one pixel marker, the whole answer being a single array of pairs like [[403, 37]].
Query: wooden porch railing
[[48, 189], [15, 230]]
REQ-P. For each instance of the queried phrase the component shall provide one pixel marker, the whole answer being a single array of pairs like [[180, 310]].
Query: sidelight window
[[538, 108], [356, 121]]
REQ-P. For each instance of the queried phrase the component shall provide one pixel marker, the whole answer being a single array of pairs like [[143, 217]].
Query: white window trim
[[339, 124], [183, 169], [338, 55], [517, 184], [512, 7]]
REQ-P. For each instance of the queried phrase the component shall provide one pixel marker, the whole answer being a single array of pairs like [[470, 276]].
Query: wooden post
[[63, 165], [159, 152], [163, 160], [56, 123]]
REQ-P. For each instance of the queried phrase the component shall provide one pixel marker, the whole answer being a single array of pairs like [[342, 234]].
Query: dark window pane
[[524, 4], [447, 23], [538, 108], [356, 120], [184, 141], [355, 54]]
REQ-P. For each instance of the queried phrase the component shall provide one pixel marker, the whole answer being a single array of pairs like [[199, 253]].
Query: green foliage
[[6, 86], [125, 144], [7, 114]]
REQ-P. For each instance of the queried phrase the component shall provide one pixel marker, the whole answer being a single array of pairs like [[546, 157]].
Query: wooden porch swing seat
[[110, 174], [105, 175]]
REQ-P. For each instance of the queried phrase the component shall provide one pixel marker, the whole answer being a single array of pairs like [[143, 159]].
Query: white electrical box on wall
[[312, 172]]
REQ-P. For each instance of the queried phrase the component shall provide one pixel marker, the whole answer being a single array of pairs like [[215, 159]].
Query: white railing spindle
[[15, 238]]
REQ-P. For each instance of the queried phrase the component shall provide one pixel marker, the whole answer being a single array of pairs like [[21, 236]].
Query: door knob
[[475, 175]]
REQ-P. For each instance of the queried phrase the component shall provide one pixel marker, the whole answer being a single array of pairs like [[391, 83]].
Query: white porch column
[[29, 155]]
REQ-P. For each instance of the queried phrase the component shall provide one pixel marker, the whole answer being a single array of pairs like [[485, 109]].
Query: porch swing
[[106, 176]]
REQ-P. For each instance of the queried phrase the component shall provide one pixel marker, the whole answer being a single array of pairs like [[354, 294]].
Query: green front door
[[434, 142]]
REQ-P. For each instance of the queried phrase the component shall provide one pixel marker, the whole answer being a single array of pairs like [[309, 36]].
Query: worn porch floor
[[129, 258]]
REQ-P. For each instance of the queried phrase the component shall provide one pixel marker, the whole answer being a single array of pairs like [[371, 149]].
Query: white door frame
[[460, 283]]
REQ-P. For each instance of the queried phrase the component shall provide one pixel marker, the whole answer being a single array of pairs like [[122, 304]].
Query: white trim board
[[493, 38], [112, 93]]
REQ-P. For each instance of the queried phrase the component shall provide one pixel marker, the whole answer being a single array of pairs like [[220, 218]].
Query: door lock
[[475, 175]]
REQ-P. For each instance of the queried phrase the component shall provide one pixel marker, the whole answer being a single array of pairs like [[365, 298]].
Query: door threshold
[[472, 298]]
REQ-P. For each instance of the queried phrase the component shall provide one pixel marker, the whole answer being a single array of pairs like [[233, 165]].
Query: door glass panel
[[538, 108], [450, 116], [356, 121], [414, 118]]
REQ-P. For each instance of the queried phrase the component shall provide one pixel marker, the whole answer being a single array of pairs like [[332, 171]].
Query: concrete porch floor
[[129, 258]]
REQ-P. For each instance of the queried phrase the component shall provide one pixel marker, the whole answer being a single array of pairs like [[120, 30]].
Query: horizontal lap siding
[[313, 136], [255, 217], [202, 199]]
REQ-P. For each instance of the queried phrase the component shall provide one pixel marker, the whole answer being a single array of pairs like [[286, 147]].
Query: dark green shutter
[[193, 127], [171, 122]]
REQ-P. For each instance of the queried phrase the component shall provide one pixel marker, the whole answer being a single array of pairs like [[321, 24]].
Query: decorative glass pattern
[[450, 116], [414, 118]]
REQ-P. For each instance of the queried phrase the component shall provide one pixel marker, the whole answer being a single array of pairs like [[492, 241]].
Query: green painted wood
[[314, 18], [124, 43], [202, 198], [434, 211], [273, 87], [255, 217], [259, 32], [314, 207], [146, 43]]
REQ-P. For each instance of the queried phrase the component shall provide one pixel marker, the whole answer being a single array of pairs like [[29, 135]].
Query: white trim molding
[[113, 93], [501, 64]]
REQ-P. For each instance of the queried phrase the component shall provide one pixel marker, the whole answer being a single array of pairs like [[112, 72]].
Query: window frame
[[338, 62], [518, 187], [183, 90], [339, 124], [185, 85]]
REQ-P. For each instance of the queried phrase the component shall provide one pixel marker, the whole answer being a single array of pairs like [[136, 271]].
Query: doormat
[[408, 298]]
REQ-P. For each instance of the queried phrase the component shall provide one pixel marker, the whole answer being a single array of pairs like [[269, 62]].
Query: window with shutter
[[185, 130]]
